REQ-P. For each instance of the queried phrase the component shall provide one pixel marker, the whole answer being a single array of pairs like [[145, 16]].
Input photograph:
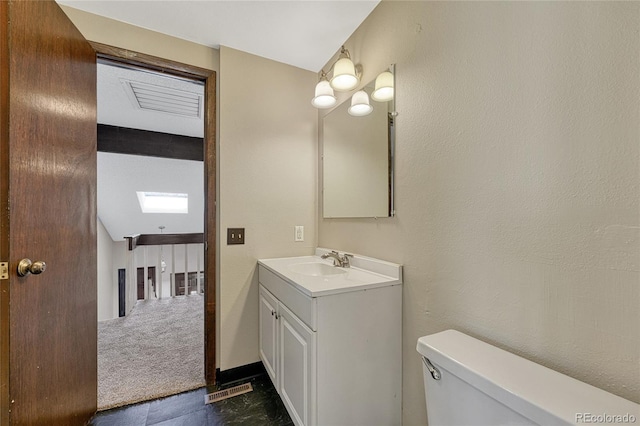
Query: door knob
[[26, 267]]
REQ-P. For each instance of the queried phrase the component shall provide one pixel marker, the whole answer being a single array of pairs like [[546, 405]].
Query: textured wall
[[268, 175], [517, 184], [126, 36]]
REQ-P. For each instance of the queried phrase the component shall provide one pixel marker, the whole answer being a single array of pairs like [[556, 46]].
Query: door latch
[[4, 270]]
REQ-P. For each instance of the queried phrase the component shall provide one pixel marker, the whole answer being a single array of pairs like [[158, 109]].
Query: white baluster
[[146, 275], [159, 273], [132, 283], [198, 267], [186, 269], [173, 270]]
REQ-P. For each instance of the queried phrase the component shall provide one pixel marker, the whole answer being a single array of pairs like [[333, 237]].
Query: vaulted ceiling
[[305, 34]]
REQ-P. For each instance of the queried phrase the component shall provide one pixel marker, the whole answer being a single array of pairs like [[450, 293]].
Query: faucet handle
[[346, 262]]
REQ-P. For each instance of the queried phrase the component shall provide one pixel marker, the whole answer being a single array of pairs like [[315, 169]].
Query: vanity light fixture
[[324, 97], [344, 73], [360, 104], [346, 77], [384, 87]]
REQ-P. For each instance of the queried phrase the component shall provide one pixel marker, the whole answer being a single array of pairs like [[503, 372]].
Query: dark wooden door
[[47, 212], [122, 292], [151, 278], [140, 279]]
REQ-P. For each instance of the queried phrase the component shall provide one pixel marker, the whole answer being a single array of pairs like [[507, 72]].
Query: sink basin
[[316, 269], [315, 277]]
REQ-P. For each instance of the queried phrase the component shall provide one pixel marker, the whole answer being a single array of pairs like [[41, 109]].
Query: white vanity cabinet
[[288, 352], [334, 354], [269, 334]]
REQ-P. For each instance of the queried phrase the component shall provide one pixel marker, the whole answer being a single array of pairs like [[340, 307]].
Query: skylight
[[163, 202]]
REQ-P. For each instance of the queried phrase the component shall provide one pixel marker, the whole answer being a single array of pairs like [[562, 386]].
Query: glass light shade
[[384, 87], [360, 104], [344, 75], [324, 97]]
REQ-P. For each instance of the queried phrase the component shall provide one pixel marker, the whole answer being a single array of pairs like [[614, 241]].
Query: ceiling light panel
[[151, 97]]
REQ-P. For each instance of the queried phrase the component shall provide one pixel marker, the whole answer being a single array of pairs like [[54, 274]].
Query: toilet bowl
[[469, 382]]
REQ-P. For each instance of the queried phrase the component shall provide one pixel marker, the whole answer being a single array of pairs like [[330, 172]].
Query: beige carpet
[[155, 351]]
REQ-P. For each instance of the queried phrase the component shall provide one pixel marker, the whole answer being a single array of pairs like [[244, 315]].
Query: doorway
[[208, 78], [150, 283]]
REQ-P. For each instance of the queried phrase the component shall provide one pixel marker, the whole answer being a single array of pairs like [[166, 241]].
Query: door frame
[[167, 66]]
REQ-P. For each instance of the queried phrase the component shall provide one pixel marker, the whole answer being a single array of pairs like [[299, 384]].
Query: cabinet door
[[297, 368], [269, 334]]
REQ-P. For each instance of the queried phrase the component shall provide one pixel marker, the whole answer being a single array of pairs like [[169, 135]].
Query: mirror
[[358, 160]]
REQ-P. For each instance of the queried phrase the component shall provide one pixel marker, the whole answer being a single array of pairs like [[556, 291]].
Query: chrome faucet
[[338, 260]]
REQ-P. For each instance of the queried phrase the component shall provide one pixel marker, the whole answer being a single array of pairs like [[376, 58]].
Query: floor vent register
[[227, 393]]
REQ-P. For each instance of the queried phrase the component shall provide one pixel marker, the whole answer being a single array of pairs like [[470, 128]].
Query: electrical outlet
[[235, 236], [299, 233]]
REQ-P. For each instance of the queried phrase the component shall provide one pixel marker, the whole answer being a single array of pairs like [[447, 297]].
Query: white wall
[[105, 275], [517, 184], [268, 178]]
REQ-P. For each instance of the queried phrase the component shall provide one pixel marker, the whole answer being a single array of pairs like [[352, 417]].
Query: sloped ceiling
[[305, 34], [117, 108], [120, 176]]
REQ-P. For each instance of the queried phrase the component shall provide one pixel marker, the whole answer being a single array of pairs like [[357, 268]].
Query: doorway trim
[[154, 63]]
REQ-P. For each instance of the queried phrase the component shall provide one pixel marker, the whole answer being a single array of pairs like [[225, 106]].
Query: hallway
[[155, 351]]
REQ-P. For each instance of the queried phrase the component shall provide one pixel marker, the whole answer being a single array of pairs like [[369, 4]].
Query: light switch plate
[[299, 233], [235, 236]]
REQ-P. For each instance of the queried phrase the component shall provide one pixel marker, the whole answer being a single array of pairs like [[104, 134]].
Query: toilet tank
[[480, 384]]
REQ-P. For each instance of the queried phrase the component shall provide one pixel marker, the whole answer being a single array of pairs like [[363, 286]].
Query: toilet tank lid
[[536, 392]]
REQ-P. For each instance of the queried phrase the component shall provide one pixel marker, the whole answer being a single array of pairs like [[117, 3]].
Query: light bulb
[[344, 75], [384, 87], [324, 97], [360, 104]]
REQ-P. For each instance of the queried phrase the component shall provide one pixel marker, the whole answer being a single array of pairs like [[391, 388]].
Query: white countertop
[[354, 278]]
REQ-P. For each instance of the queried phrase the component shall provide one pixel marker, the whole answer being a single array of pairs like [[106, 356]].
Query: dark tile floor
[[260, 407]]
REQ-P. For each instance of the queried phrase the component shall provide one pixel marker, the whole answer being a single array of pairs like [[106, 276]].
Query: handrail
[[163, 239]]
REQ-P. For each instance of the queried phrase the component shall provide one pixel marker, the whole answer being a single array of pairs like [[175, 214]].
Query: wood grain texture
[[50, 215], [122, 140], [128, 57], [144, 61], [210, 230], [163, 239], [4, 207]]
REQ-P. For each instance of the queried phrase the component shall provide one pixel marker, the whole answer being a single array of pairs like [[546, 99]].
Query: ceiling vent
[[150, 97]]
